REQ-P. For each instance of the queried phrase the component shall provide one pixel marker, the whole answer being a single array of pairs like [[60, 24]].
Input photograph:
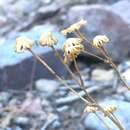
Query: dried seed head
[[110, 109], [23, 43], [100, 40], [74, 27], [47, 39], [91, 109], [66, 31], [72, 48]]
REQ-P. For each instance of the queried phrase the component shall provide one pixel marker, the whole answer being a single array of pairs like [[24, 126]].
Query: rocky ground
[[49, 105]]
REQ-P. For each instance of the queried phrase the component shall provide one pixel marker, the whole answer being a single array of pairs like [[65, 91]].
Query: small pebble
[[24, 121], [5, 96]]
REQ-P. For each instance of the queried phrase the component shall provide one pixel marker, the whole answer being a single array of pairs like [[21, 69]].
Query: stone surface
[[102, 20], [22, 121], [48, 11], [127, 96], [102, 75], [47, 86], [122, 9], [126, 76], [5, 96], [123, 113]]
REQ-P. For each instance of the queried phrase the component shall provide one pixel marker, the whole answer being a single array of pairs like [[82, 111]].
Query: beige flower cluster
[[74, 27], [100, 40], [72, 46]]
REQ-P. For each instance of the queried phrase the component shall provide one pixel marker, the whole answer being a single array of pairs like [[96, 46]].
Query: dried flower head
[[91, 109], [74, 27], [23, 43], [72, 48], [100, 40], [110, 109], [47, 39], [66, 31]]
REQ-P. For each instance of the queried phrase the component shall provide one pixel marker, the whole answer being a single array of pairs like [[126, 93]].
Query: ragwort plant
[[72, 48]]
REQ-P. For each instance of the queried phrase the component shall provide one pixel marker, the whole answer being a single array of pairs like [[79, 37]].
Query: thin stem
[[73, 76], [63, 82], [82, 83], [116, 118], [78, 71], [81, 36], [107, 59], [105, 124], [66, 66], [54, 73], [93, 55], [105, 53]]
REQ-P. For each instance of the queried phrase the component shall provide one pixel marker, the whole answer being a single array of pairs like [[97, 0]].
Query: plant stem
[[63, 82], [82, 83], [105, 124], [57, 76], [66, 66], [106, 55], [93, 55], [81, 36], [107, 61], [73, 76]]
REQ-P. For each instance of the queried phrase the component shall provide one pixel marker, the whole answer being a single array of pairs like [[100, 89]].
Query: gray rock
[[47, 11], [50, 120], [18, 128], [47, 86], [102, 75], [102, 20], [46, 104], [123, 113], [56, 124], [127, 96], [22, 121], [122, 9], [63, 108], [124, 66], [5, 96]]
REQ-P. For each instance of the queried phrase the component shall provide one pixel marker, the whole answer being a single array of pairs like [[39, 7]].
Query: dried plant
[[72, 48]]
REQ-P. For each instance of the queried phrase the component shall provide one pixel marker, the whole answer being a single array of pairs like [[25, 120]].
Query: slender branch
[[81, 36], [78, 71], [73, 76], [105, 124], [93, 55], [66, 66], [82, 83], [62, 81], [113, 65], [109, 59], [54, 73]]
